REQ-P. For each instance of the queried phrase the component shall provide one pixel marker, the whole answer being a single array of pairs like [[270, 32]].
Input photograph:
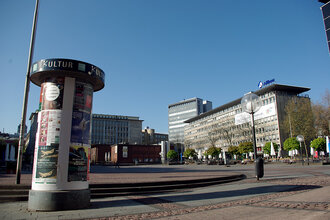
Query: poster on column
[[82, 106], [48, 144], [80, 133], [78, 163], [47, 158], [51, 94], [50, 124]]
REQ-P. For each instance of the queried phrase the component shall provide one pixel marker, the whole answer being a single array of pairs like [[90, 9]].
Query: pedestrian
[[117, 165]]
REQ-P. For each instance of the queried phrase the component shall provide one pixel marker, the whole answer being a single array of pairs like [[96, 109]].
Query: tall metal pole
[[301, 156], [254, 136], [254, 144], [26, 97]]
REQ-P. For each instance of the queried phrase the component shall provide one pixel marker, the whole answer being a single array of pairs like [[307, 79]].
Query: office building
[[326, 17], [182, 111], [228, 125], [116, 129], [149, 136]]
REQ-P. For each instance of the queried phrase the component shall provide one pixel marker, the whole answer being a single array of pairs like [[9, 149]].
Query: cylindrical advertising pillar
[[62, 150]]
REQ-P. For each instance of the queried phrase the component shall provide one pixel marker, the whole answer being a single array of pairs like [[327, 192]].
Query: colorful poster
[[83, 97], [78, 163], [50, 124], [82, 107], [47, 160], [80, 131], [51, 95]]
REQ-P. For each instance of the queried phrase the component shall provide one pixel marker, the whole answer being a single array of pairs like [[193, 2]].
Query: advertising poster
[[82, 108], [80, 131], [264, 111], [47, 159], [50, 123], [78, 163], [83, 97], [51, 95]]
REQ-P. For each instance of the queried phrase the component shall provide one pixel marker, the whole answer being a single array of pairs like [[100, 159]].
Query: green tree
[[267, 147], [213, 151], [234, 150], [291, 144], [172, 155], [190, 153], [245, 147], [319, 144]]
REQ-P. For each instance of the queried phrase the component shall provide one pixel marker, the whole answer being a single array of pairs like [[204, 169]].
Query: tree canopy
[[321, 112], [172, 155], [319, 144], [291, 144], [213, 151], [234, 150], [245, 147], [299, 119], [267, 147], [189, 153]]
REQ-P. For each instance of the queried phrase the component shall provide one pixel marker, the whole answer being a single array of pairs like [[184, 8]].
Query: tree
[[213, 151], [172, 155], [245, 147], [299, 118], [267, 147], [234, 150], [190, 153], [319, 144], [321, 112], [212, 138], [291, 144]]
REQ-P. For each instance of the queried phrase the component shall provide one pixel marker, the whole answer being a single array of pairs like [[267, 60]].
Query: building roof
[[116, 117], [183, 101], [274, 87]]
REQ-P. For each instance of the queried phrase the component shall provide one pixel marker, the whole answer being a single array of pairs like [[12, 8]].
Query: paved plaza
[[286, 191]]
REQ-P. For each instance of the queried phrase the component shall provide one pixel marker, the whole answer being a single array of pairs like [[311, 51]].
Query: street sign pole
[[26, 97]]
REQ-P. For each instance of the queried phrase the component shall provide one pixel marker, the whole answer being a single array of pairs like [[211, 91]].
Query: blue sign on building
[[261, 84]]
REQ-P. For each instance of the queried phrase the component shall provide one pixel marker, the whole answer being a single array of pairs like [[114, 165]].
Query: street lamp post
[[251, 104], [300, 138]]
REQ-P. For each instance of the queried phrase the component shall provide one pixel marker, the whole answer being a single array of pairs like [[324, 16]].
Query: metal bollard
[[259, 168]]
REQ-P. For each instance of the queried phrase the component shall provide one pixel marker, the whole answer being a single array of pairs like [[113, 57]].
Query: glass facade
[[113, 129], [179, 112]]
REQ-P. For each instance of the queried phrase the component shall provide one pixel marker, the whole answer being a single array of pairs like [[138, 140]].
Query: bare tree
[[299, 118], [321, 112]]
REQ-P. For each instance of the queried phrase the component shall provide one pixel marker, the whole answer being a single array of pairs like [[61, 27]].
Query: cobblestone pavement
[[285, 192], [301, 186]]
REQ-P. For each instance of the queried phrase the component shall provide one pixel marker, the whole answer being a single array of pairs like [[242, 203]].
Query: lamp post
[[300, 138], [251, 104]]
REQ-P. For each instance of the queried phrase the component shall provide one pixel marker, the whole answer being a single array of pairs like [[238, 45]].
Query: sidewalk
[[304, 197], [135, 174]]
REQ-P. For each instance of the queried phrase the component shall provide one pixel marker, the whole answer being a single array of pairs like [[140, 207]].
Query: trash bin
[[259, 167]]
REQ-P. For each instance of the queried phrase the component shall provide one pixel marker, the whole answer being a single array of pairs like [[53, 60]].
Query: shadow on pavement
[[253, 191], [140, 169]]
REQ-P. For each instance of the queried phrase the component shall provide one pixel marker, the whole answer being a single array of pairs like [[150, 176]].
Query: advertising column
[[62, 151]]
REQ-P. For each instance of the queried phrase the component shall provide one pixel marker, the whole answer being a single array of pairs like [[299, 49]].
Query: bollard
[[259, 168]]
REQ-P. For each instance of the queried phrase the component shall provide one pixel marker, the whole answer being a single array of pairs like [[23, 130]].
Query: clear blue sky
[[158, 52]]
